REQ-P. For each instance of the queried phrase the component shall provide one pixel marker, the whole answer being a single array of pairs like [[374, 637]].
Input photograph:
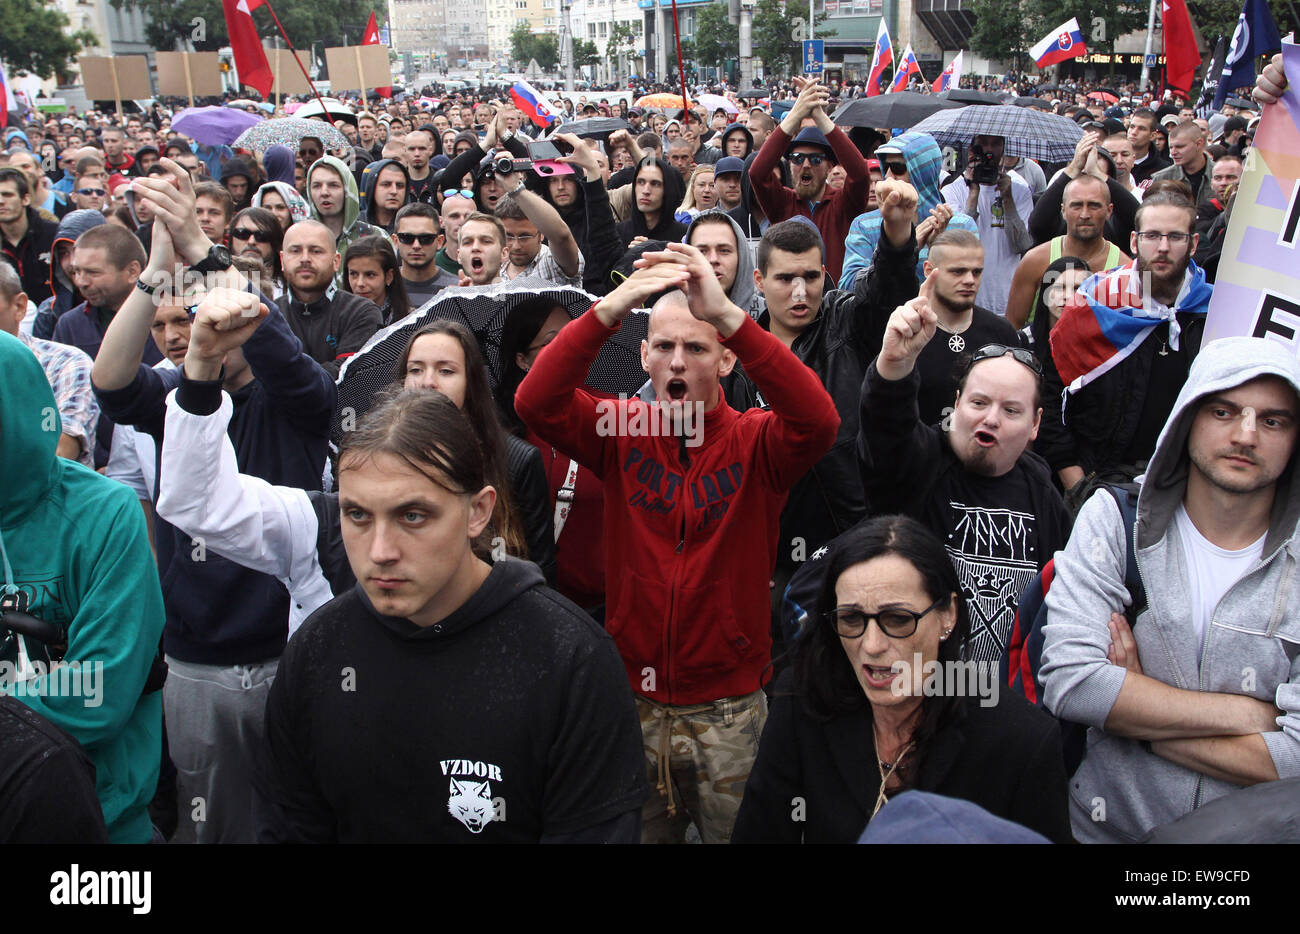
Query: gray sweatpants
[[214, 716]]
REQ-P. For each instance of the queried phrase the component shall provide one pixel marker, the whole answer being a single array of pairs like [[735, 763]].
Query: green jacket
[[75, 544], [353, 228]]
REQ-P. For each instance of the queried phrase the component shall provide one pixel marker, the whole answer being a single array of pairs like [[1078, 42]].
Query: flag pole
[[294, 53], [681, 69], [1146, 57]]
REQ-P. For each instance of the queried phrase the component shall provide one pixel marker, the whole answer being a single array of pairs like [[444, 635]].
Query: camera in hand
[[506, 164], [985, 168]]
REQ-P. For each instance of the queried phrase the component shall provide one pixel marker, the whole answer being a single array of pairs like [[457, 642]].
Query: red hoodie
[[690, 532]]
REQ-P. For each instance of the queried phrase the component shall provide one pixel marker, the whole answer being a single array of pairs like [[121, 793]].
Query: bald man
[[331, 323]]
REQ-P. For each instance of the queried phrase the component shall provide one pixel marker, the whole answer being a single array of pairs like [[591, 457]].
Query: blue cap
[[728, 164], [811, 136], [924, 817]]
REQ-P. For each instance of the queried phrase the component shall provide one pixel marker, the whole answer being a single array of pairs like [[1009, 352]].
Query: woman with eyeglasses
[[370, 269], [878, 702], [700, 196], [576, 494]]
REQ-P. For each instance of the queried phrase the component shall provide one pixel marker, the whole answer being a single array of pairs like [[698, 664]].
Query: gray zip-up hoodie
[[1251, 646]]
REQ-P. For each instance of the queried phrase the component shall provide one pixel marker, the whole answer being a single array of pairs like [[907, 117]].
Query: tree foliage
[[1002, 29], [545, 47], [779, 30], [716, 39], [585, 53], [1219, 17], [203, 23], [33, 39]]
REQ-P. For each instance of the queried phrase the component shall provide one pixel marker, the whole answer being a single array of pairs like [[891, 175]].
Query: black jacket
[[219, 613], [1101, 420], [1005, 758], [31, 256], [1149, 166], [511, 720], [838, 346], [333, 327]]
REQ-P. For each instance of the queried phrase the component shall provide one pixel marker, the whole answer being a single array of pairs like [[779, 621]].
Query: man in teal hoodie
[[74, 552]]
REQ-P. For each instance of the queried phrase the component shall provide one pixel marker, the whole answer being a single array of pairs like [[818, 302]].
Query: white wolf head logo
[[471, 804]]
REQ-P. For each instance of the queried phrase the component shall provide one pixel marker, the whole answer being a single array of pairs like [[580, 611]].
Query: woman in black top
[[874, 706]]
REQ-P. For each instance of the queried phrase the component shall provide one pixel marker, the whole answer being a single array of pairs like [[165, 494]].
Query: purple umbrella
[[213, 126]]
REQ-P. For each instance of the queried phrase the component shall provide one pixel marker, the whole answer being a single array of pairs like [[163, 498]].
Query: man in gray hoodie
[[1202, 695]]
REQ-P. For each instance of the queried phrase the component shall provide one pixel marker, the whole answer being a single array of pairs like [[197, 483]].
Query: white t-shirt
[[1211, 571], [1000, 260]]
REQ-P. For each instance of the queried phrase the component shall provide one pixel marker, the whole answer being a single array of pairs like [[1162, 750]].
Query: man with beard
[[1203, 697], [1121, 398], [976, 485], [331, 323], [418, 242], [811, 153], [1085, 207]]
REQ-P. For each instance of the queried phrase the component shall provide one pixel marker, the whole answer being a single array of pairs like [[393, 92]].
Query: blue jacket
[[219, 613], [924, 164]]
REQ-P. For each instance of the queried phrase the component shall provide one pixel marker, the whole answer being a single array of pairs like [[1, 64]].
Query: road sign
[[1150, 60], [814, 53]]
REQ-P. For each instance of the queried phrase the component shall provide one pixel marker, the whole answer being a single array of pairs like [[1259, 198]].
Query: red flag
[[1181, 55], [371, 37], [250, 57]]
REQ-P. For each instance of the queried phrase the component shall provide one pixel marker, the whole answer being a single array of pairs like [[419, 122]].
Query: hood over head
[[234, 168], [744, 288], [74, 224], [924, 165], [737, 128], [351, 198], [279, 161], [370, 180], [299, 209], [28, 434], [1221, 365]]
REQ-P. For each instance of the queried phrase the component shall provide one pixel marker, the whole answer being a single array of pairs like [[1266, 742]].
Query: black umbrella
[[967, 96], [595, 127], [754, 93], [483, 310], [901, 109], [1242, 103], [1046, 87], [1036, 102]]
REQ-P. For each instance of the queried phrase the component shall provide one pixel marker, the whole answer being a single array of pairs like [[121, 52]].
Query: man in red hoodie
[[693, 495], [813, 152]]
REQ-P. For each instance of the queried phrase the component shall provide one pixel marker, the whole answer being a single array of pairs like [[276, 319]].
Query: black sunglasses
[[812, 158], [425, 239], [97, 192], [993, 351], [896, 168], [850, 622], [248, 233]]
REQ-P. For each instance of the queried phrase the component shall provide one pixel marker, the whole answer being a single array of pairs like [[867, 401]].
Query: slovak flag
[[371, 37], [1064, 42], [882, 58], [7, 100], [950, 78], [534, 105], [906, 68]]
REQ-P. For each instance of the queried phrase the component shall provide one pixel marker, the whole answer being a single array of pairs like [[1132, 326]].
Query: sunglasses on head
[[812, 158], [463, 192], [994, 351], [249, 233], [424, 239]]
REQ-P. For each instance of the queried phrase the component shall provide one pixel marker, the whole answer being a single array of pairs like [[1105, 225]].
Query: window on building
[[604, 26], [591, 30]]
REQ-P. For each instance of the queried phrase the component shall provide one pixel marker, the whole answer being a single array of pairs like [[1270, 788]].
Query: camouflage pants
[[697, 761]]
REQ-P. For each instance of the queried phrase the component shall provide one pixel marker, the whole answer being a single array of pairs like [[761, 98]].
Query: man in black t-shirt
[[974, 482], [954, 265]]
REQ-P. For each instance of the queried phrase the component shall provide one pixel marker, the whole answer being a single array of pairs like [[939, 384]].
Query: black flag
[[1205, 103]]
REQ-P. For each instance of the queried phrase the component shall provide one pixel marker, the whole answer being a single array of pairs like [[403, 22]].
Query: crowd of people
[[886, 388]]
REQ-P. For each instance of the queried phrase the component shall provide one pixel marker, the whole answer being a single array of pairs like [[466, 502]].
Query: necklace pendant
[[956, 343]]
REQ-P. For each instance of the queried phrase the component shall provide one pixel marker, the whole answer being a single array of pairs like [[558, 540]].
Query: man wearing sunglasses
[[89, 193], [419, 242], [973, 480], [812, 152]]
